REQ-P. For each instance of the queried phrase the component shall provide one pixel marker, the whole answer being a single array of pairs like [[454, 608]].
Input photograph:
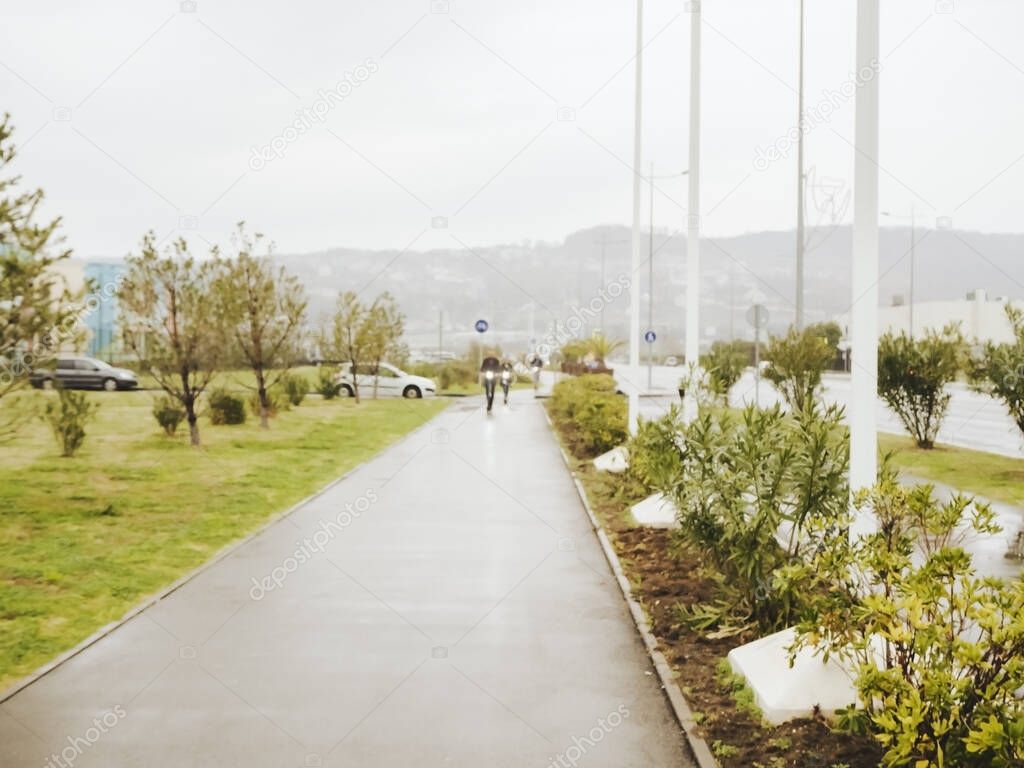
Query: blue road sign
[[650, 336], [481, 326]]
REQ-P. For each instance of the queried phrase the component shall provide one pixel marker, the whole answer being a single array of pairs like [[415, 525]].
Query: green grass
[[996, 477], [83, 539]]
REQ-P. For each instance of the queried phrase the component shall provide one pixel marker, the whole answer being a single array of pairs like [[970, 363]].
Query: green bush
[[293, 387], [725, 363], [592, 415], [656, 452], [998, 369], [912, 378], [938, 652], [226, 408], [326, 384], [168, 413], [276, 402], [753, 494], [68, 417], [796, 363]]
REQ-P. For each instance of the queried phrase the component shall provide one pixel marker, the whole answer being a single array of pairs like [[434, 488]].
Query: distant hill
[[533, 285]]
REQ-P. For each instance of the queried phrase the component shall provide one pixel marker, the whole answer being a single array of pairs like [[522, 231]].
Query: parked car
[[391, 381], [84, 373]]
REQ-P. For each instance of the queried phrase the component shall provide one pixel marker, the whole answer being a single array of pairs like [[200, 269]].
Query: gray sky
[[460, 118]]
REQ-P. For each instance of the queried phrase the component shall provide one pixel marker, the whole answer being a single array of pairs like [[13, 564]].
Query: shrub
[[590, 412], [655, 452], [294, 388], [326, 384], [227, 408], [725, 364], [796, 363], [999, 369], [276, 402], [68, 417], [168, 413], [752, 494], [912, 378], [938, 652]]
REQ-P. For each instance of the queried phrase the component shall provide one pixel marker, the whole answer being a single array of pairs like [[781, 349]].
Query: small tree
[[37, 311], [912, 378], [68, 417], [383, 328], [345, 338], [796, 363], [263, 309], [999, 369], [166, 304], [724, 364], [601, 348]]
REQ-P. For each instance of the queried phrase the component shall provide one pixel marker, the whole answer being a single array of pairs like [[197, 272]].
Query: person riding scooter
[[506, 378], [490, 370]]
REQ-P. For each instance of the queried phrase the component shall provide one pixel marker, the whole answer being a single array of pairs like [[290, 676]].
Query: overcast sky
[[139, 115]]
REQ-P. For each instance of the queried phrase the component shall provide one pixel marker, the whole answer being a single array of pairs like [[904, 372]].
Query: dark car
[[84, 373]]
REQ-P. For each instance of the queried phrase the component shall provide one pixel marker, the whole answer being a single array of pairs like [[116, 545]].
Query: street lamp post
[[693, 216], [913, 245], [650, 272], [634, 288]]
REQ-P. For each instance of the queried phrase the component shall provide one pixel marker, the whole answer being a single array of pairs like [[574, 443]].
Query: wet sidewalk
[[447, 604]]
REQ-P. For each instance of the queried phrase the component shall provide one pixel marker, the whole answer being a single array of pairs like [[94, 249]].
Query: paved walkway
[[461, 615]]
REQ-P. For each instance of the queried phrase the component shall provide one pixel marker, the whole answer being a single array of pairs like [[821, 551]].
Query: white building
[[980, 317]]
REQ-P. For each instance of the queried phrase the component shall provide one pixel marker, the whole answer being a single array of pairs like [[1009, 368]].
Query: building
[[980, 318], [100, 314]]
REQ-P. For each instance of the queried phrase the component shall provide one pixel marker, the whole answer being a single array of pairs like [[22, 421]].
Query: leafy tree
[[67, 418], [37, 310], [725, 363], [796, 363], [384, 325], [912, 378], [262, 308], [165, 300], [345, 337], [830, 332], [999, 369]]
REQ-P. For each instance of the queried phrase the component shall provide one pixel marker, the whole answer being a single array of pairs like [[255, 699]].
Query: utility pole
[[634, 287], [913, 243], [800, 182], [650, 287], [693, 216], [440, 335], [604, 242]]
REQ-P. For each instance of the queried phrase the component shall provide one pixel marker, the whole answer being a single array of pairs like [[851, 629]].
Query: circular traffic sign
[[757, 315], [481, 326], [650, 336]]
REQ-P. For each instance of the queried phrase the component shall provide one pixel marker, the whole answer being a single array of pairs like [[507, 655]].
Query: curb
[[222, 554], [680, 707]]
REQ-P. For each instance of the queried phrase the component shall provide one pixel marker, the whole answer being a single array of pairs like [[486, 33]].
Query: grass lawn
[[83, 539], [996, 477]]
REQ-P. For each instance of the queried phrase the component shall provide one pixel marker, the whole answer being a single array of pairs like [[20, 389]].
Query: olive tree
[[38, 312], [998, 369], [262, 309], [912, 378], [167, 303]]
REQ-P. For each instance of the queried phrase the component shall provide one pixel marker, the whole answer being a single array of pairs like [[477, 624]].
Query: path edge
[[223, 553], [677, 701]]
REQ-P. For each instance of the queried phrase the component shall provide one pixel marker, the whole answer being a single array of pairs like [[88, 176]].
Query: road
[[451, 608], [974, 420]]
